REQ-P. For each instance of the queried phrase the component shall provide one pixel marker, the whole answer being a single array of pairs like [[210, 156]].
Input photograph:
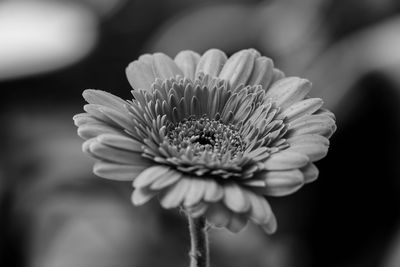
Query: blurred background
[[55, 213]]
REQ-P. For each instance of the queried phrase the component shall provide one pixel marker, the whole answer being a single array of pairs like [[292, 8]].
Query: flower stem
[[199, 242]]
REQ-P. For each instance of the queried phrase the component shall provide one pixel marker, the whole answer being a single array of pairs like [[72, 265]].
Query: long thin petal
[[288, 91], [238, 68], [167, 180], [142, 195], [235, 199], [314, 124], [149, 175], [116, 155], [195, 192], [282, 183], [218, 215], [262, 72], [313, 145], [236, 223], [310, 173], [103, 98], [271, 226], [284, 160], [175, 195], [88, 131], [140, 73], [211, 62], [164, 67], [260, 211], [119, 141], [121, 119], [187, 61], [118, 172], [302, 108], [213, 191]]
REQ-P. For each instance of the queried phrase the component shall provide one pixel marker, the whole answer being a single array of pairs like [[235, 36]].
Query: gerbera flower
[[211, 134]]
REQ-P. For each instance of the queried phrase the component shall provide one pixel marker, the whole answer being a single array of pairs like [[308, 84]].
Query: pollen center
[[206, 135]]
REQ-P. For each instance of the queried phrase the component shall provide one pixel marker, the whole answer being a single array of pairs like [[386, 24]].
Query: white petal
[[119, 141], [84, 118], [140, 73], [277, 75], [115, 155], [302, 108], [174, 195], [282, 183], [103, 98], [218, 215], [197, 210], [164, 67], [121, 119], [88, 131], [211, 62], [187, 61], [235, 199], [284, 160], [271, 226], [238, 68], [150, 175], [167, 180], [261, 211], [213, 191], [313, 124], [288, 91], [313, 145], [195, 192], [142, 195], [262, 72], [118, 172], [310, 173], [236, 223]]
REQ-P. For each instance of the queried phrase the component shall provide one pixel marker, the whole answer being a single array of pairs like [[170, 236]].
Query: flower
[[211, 134]]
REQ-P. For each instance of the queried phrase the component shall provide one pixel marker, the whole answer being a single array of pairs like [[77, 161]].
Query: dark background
[[55, 213]]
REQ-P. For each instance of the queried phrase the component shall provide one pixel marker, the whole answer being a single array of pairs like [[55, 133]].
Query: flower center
[[206, 135]]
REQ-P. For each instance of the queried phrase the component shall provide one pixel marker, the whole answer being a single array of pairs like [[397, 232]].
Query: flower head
[[211, 134]]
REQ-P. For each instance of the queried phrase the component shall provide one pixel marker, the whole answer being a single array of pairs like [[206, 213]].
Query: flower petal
[[142, 195], [174, 195], [218, 215], [213, 192], [284, 160], [195, 192], [302, 108], [116, 171], [119, 141], [238, 68], [187, 61], [84, 118], [271, 226], [260, 211], [310, 173], [116, 155], [140, 73], [314, 124], [288, 91], [277, 75], [88, 131], [149, 175], [236, 223], [282, 183], [121, 119], [262, 72], [235, 199], [164, 67], [167, 180], [313, 145], [103, 98], [211, 62]]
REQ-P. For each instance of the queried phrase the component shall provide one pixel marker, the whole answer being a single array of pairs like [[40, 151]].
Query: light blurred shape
[[40, 36]]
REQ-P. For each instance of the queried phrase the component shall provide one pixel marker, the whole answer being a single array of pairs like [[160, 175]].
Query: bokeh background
[[55, 213]]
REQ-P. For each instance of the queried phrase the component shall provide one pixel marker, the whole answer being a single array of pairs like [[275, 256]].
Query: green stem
[[199, 242]]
